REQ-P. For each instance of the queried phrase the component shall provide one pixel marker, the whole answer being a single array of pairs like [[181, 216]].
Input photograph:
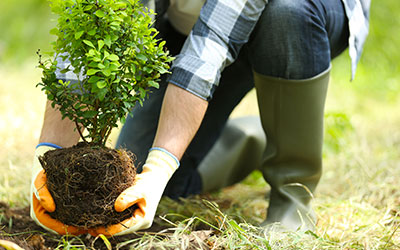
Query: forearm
[[180, 118], [56, 130]]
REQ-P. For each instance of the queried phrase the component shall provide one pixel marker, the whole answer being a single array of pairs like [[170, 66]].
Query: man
[[283, 48]]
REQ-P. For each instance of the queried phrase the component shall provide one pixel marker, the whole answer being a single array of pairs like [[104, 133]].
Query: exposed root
[[85, 181]]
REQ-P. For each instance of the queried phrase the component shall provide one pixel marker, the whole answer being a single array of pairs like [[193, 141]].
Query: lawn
[[357, 201]]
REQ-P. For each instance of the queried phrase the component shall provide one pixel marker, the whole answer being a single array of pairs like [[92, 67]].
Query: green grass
[[357, 201]]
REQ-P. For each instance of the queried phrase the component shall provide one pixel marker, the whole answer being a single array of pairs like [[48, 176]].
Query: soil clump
[[17, 226], [85, 180]]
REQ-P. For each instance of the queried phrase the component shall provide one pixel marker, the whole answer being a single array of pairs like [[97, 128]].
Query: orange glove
[[145, 193], [41, 200]]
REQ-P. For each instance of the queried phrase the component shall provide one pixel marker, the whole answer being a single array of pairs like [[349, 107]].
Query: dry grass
[[21, 113], [357, 200]]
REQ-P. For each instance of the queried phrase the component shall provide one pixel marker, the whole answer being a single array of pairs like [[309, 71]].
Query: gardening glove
[[146, 193], [41, 200]]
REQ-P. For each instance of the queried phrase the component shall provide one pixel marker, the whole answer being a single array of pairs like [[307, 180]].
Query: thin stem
[[107, 135], [79, 131]]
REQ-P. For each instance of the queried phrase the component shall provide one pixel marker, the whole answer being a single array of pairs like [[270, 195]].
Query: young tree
[[113, 45], [112, 48]]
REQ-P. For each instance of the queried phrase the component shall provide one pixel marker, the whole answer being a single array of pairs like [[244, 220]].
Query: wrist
[[161, 161], [43, 147], [40, 150], [163, 150], [48, 144]]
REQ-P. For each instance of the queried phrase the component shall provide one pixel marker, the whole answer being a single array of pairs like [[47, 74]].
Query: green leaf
[[93, 64], [102, 93], [113, 57], [153, 84], [141, 57], [64, 70], [77, 106], [97, 59], [94, 79], [100, 66], [100, 13], [162, 70], [107, 41], [147, 69], [92, 72], [101, 44], [89, 114], [101, 84], [79, 34], [92, 32], [89, 43], [115, 23], [59, 93], [123, 120], [107, 72], [106, 54], [88, 7], [114, 38], [133, 68], [91, 52], [114, 67]]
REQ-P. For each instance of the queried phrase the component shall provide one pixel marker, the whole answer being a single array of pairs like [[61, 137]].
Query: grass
[[357, 201]]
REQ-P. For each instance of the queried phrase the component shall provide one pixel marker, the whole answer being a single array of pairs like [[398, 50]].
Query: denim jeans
[[292, 40]]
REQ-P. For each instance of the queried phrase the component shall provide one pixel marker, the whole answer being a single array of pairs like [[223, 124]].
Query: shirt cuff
[[195, 75]]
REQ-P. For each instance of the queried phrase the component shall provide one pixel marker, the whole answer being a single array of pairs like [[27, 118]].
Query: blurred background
[[371, 98], [358, 197], [362, 129]]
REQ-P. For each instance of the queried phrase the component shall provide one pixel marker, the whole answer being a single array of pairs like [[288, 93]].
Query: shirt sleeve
[[223, 27]]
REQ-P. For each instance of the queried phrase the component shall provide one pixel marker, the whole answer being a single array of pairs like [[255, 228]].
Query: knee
[[285, 16], [290, 40]]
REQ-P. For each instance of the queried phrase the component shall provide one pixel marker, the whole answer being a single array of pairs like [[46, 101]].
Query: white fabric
[[149, 185], [184, 13], [36, 168]]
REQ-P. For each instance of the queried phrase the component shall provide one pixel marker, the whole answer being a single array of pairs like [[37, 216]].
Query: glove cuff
[[41, 148], [48, 144], [162, 160], [168, 153]]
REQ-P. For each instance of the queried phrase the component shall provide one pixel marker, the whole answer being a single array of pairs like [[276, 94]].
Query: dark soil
[[85, 180], [17, 226]]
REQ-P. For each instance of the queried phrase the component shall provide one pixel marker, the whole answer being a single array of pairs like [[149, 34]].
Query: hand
[[41, 200], [145, 193]]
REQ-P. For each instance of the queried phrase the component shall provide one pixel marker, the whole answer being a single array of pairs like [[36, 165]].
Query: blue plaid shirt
[[224, 26]]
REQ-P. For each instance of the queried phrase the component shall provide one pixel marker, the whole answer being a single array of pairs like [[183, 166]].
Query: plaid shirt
[[224, 27]]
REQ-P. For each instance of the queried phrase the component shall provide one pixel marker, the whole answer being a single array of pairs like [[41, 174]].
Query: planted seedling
[[113, 51]]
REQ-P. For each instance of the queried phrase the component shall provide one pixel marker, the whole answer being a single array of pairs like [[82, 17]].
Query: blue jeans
[[292, 40]]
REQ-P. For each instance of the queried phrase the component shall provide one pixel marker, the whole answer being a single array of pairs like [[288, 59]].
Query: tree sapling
[[113, 50]]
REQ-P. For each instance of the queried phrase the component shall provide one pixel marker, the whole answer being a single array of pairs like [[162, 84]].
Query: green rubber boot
[[238, 151], [292, 113]]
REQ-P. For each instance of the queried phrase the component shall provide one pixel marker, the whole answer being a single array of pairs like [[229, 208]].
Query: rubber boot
[[292, 113], [236, 153]]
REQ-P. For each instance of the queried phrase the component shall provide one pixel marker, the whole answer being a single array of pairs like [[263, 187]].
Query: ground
[[357, 200]]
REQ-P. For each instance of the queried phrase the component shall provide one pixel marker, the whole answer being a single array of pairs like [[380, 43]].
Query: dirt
[[85, 180], [16, 226]]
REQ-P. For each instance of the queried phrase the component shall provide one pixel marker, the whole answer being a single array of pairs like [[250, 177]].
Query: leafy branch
[[113, 45]]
